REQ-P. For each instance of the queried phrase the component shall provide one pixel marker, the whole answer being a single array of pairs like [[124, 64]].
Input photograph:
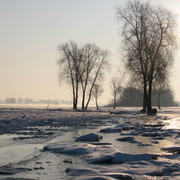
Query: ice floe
[[89, 137], [129, 138], [9, 170], [175, 150], [111, 130]]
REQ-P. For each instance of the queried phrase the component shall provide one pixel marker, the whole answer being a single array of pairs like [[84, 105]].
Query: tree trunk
[[114, 104], [159, 93], [84, 93], [76, 94], [74, 98], [74, 105], [144, 98], [83, 99], [74, 101], [149, 106], [97, 107], [94, 81], [89, 98], [114, 101], [90, 92]]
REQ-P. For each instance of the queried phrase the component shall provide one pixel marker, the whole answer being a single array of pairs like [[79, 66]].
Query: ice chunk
[[175, 150], [123, 157], [89, 137], [129, 138], [111, 130], [9, 170]]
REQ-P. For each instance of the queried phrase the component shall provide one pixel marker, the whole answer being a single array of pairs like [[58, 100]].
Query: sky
[[31, 30]]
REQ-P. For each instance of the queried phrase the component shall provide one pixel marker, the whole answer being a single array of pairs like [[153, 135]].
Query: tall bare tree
[[160, 48], [82, 66], [149, 41], [92, 69], [69, 63], [101, 65], [89, 62]]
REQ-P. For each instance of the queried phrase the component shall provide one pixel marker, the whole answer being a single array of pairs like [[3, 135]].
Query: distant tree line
[[133, 97], [12, 100]]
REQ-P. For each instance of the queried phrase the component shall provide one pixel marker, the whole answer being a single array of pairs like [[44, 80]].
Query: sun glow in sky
[[31, 30]]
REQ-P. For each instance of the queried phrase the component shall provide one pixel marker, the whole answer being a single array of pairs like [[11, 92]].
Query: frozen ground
[[52, 143]]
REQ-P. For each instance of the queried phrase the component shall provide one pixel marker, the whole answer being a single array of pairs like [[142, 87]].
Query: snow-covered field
[[39, 142]]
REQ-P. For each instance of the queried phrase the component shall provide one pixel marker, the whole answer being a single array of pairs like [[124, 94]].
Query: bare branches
[[69, 63], [81, 66], [149, 42]]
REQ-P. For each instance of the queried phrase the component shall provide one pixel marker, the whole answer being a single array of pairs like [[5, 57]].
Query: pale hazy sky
[[31, 30]]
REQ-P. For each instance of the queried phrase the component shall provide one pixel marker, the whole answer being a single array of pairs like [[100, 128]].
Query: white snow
[[150, 148]]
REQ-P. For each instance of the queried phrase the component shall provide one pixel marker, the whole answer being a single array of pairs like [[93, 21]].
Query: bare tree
[[97, 91], [116, 88], [69, 63], [160, 49], [93, 67], [90, 55], [134, 17], [82, 66], [149, 41]]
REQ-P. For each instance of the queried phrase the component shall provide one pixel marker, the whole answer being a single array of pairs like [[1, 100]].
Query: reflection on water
[[174, 123], [172, 116], [17, 153]]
